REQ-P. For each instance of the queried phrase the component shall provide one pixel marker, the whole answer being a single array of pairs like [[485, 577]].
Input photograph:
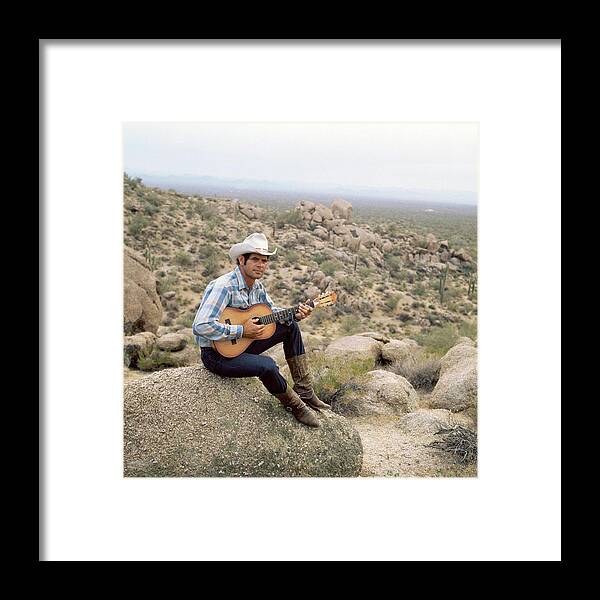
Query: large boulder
[[398, 350], [142, 310], [379, 392], [191, 422], [355, 347], [456, 389]]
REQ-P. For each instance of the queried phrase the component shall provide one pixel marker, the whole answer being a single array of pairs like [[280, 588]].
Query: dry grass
[[458, 441], [422, 371]]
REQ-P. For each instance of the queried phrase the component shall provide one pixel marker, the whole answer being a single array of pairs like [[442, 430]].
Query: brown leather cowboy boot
[[299, 409], [303, 384]]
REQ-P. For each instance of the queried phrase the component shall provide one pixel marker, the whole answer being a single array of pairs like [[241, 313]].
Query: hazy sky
[[433, 156]]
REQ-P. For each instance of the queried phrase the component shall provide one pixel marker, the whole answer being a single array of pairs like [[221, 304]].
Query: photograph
[[300, 299], [319, 272]]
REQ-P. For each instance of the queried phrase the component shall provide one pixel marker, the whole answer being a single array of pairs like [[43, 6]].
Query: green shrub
[[153, 200], [393, 263], [350, 284], [183, 259], [291, 256], [468, 329], [330, 374], [211, 267], [137, 224], [205, 210], [350, 324], [330, 266], [155, 361], [289, 217], [419, 290], [318, 317], [392, 301], [438, 340], [211, 234], [150, 209]]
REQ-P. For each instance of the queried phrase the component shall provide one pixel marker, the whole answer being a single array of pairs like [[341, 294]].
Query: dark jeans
[[251, 364]]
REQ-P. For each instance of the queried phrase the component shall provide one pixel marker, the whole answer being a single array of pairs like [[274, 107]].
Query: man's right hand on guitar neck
[[251, 329]]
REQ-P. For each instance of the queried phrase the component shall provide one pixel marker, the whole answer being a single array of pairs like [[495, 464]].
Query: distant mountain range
[[275, 190]]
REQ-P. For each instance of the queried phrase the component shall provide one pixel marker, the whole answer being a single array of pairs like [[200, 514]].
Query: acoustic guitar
[[265, 316]]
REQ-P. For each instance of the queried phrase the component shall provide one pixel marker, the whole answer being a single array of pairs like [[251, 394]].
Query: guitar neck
[[279, 316]]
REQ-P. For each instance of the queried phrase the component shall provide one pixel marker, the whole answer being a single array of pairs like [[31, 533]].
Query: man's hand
[[251, 329], [304, 311]]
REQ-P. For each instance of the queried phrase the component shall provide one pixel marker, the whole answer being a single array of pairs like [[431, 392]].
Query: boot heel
[[290, 399]]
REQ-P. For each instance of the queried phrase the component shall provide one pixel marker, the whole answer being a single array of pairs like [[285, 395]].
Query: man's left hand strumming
[[304, 311]]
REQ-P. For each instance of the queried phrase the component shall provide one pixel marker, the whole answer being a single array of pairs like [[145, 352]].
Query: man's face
[[255, 266]]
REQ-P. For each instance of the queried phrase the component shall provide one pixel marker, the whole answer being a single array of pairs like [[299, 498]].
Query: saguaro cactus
[[150, 258], [471, 285], [443, 276]]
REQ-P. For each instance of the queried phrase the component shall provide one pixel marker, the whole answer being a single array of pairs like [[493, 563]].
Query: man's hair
[[246, 257]]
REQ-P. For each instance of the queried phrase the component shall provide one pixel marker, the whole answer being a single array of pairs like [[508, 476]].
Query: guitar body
[[238, 316]]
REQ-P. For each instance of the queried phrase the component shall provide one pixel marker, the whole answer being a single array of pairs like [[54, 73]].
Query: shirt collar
[[241, 281]]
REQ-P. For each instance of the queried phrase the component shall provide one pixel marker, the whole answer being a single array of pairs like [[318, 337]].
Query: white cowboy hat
[[255, 242]]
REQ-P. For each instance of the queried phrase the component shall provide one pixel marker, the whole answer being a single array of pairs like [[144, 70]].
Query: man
[[240, 288]]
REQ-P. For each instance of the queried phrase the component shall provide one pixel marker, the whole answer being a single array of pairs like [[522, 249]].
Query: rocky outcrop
[[250, 211], [190, 422], [142, 310], [378, 393]]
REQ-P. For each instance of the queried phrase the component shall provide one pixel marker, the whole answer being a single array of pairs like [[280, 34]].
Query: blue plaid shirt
[[230, 289]]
